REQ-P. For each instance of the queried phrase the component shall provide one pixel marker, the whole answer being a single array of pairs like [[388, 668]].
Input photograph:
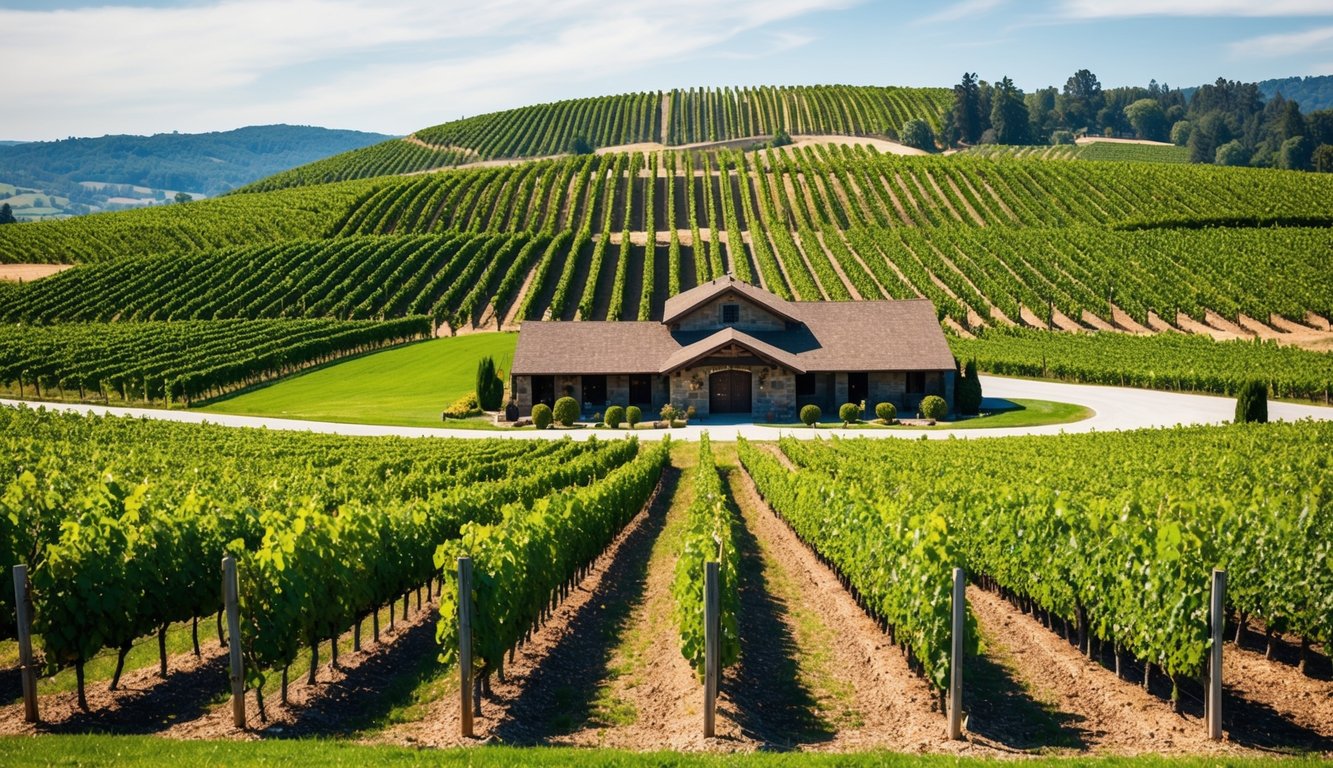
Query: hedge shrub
[[541, 415], [633, 415], [615, 416], [810, 415], [850, 413], [463, 408], [566, 411], [934, 407], [887, 411]]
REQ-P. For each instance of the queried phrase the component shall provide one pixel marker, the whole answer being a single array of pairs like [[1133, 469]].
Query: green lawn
[[404, 386], [1016, 413], [171, 753], [1025, 413]]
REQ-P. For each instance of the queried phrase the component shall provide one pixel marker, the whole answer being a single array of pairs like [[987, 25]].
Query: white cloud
[[959, 11], [1285, 44], [362, 63], [1097, 9]]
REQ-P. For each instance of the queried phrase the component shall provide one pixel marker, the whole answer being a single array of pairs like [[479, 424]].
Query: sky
[[91, 68]]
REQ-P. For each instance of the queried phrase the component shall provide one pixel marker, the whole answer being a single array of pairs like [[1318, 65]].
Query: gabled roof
[[684, 303], [824, 336], [692, 353]]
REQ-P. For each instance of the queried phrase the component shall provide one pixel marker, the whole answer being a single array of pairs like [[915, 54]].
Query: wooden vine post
[[465, 643], [1218, 617], [956, 657], [712, 645], [27, 669], [237, 671]]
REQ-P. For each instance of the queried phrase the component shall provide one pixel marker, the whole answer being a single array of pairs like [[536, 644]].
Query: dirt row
[[816, 673]]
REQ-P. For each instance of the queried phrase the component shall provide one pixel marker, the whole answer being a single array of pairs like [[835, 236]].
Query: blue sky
[[118, 66]]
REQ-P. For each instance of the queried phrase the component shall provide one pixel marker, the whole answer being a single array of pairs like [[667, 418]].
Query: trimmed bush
[[541, 415], [566, 411], [615, 416], [934, 407], [490, 387], [463, 408], [850, 413], [1252, 402], [887, 411], [967, 390], [810, 415], [633, 415]]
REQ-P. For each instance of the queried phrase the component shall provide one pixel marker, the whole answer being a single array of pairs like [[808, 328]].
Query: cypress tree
[[490, 389], [967, 391], [1252, 402]]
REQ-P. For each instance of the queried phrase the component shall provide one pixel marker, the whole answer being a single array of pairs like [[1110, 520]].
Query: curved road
[[1115, 408]]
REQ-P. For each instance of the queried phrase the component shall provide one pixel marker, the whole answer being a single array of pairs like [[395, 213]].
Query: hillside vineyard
[[675, 118]]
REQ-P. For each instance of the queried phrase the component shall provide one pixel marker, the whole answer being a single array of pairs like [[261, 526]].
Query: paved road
[[1115, 408]]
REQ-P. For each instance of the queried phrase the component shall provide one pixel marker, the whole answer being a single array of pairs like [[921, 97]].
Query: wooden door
[[729, 392]]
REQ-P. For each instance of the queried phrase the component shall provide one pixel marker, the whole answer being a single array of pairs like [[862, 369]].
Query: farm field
[[365, 288], [994, 243], [408, 385], [829, 655]]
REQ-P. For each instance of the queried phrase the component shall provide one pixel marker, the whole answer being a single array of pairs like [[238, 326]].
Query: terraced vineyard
[[182, 361], [1105, 151], [985, 240], [1170, 361], [678, 117], [991, 240]]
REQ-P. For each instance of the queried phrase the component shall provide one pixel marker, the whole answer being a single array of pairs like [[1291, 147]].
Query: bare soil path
[[816, 672], [1080, 704], [550, 690], [26, 273]]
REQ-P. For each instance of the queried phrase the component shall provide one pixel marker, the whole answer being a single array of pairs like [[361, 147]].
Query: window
[[640, 389], [805, 385], [916, 382], [731, 314], [594, 391]]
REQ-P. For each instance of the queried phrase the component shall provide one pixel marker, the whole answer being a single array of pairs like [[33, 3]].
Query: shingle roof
[[706, 346], [682, 304], [832, 336]]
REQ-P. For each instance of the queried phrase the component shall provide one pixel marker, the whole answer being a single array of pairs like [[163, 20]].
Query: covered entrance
[[729, 392]]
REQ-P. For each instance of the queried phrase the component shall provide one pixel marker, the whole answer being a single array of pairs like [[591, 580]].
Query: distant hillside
[[204, 163], [1312, 93]]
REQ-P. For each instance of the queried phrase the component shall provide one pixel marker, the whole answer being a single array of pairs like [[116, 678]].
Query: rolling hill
[[996, 240], [205, 163]]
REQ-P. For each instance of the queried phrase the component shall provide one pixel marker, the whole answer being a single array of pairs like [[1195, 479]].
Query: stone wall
[[772, 390], [753, 318], [520, 387]]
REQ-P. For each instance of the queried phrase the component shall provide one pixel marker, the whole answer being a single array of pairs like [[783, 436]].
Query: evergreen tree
[[966, 113], [490, 388], [7, 214], [1009, 114], [1081, 100], [967, 390], [1252, 402]]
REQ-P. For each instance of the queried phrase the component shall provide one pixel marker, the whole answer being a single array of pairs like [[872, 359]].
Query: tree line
[[1227, 123]]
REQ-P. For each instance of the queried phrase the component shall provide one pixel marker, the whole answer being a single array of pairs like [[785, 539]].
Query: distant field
[[404, 386], [1109, 151]]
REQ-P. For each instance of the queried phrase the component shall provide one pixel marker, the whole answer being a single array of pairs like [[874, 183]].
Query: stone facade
[[753, 318], [617, 393], [772, 390]]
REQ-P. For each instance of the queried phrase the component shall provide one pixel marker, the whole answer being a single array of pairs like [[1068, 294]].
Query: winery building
[[730, 348]]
